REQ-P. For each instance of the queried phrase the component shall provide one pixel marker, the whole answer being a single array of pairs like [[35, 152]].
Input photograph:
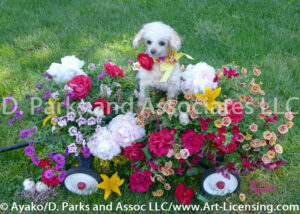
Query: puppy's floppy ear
[[138, 38], [175, 41]]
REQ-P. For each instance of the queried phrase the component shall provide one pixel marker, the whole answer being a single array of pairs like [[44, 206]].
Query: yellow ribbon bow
[[51, 111], [168, 64]]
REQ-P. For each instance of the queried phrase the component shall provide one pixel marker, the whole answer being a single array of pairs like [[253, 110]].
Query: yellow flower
[[244, 70], [110, 184], [242, 197], [51, 110], [218, 123], [158, 193], [209, 97], [248, 137], [290, 124]]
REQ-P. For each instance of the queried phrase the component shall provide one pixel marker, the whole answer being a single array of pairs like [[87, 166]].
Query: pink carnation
[[192, 141], [161, 142]]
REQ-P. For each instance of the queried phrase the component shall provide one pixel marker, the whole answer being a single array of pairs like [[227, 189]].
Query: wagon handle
[[13, 147]]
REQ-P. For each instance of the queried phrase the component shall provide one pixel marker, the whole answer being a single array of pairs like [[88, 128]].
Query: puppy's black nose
[[153, 51]]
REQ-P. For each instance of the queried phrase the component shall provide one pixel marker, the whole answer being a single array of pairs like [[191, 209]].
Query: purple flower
[[25, 133], [91, 121], [62, 121], [101, 75], [14, 107], [136, 93], [60, 165], [71, 116], [66, 102], [62, 175], [59, 158], [92, 66], [47, 75], [51, 154], [29, 150], [19, 114], [34, 129], [73, 131], [49, 173], [7, 100], [86, 152], [72, 148], [39, 109], [70, 94], [99, 119], [11, 121], [67, 151], [47, 94], [79, 137], [55, 95], [98, 129], [39, 86], [81, 121], [35, 160], [27, 96]]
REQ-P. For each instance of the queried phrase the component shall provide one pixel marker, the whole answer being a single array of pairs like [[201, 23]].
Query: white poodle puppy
[[159, 39]]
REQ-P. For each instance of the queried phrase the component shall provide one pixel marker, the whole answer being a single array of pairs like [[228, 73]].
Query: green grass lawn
[[33, 34]]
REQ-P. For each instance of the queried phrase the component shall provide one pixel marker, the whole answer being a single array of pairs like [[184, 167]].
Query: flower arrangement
[[220, 113]]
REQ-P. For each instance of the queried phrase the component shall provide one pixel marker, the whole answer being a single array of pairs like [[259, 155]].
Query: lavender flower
[[62, 175], [29, 151], [67, 151], [48, 173], [60, 165], [39, 86], [35, 160], [55, 119], [98, 129], [73, 131], [25, 133], [86, 152], [81, 121], [47, 75], [91, 121], [19, 114], [34, 129], [116, 84], [47, 94], [7, 100], [14, 107], [39, 109], [79, 137], [99, 119], [136, 93], [116, 107], [72, 148], [55, 95], [11, 121], [62, 121], [53, 128], [66, 103], [101, 75], [88, 106], [108, 91], [59, 158]]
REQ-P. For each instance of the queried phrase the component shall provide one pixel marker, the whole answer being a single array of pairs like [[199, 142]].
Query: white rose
[[125, 130], [41, 187], [103, 146], [70, 67], [197, 77], [29, 185], [184, 118]]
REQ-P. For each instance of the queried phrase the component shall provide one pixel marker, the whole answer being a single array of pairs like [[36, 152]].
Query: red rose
[[81, 85], [231, 147], [145, 61], [192, 141], [53, 181], [113, 70], [45, 163], [140, 181], [103, 104], [184, 195], [134, 152], [160, 142], [235, 112]]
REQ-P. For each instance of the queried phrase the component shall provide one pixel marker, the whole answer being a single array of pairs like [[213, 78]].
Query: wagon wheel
[[215, 184], [81, 180]]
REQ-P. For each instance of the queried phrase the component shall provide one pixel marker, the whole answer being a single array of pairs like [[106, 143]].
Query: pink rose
[[134, 152]]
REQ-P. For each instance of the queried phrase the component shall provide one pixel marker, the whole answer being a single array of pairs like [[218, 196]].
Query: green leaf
[[202, 198], [192, 171], [146, 152]]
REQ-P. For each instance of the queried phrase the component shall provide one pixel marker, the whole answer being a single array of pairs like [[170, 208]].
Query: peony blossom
[[159, 143], [125, 130], [197, 77], [103, 145], [135, 152], [192, 141], [70, 67], [29, 185]]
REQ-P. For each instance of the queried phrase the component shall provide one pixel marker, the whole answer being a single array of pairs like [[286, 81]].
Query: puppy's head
[[159, 39]]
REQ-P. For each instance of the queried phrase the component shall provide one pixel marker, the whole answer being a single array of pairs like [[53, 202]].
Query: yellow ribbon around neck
[[168, 64]]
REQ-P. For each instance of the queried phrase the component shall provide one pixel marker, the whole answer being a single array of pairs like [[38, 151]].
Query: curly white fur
[[159, 39]]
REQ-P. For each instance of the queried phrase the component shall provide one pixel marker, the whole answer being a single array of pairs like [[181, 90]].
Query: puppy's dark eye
[[149, 42], [162, 43]]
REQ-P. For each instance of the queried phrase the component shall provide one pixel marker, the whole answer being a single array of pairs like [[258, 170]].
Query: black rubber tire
[[83, 170], [210, 171]]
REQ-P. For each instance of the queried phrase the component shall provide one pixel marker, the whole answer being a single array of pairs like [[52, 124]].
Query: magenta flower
[[101, 75], [49, 173], [35, 160], [39, 109], [29, 151], [62, 175], [7, 100], [11, 121], [86, 152], [25, 133], [19, 114], [14, 107], [47, 94]]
